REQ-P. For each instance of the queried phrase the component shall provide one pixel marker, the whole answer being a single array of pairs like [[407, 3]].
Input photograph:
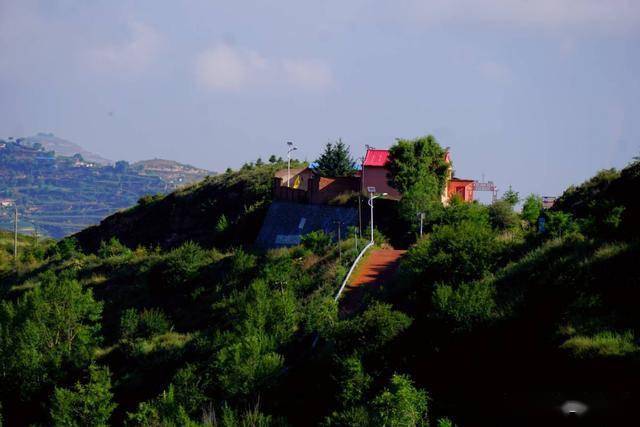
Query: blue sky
[[534, 94]]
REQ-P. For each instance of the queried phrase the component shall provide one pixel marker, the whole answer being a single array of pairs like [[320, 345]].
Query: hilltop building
[[305, 185]]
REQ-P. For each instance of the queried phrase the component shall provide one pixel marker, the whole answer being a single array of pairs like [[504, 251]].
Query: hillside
[[173, 173], [61, 195], [63, 147], [223, 210], [486, 322]]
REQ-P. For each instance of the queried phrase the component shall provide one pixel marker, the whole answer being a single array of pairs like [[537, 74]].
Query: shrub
[[603, 344], [148, 323], [317, 241], [469, 304], [453, 254], [86, 404], [113, 248], [502, 216], [401, 404], [182, 265]]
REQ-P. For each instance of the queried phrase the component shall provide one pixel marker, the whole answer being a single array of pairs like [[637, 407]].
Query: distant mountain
[[62, 147], [61, 194], [171, 172]]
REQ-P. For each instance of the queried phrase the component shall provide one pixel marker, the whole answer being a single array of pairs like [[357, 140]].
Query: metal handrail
[[353, 266]]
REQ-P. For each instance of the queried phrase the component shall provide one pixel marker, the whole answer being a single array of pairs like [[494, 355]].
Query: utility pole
[[339, 242], [355, 237], [289, 151]]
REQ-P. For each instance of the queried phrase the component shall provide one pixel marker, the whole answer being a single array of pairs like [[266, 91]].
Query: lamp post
[[372, 197], [421, 216], [291, 149]]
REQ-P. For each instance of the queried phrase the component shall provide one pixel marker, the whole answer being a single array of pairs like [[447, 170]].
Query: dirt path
[[375, 270]]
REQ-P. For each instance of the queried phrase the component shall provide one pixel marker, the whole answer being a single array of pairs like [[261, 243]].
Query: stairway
[[375, 270]]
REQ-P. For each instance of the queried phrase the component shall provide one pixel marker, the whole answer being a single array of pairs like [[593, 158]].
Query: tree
[[502, 216], [335, 161], [86, 404], [419, 171], [401, 404], [511, 197], [414, 161], [532, 208], [273, 159], [52, 327]]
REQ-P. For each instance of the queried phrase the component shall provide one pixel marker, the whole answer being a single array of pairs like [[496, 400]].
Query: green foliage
[[560, 223], [419, 171], [412, 162], [66, 248], [502, 216], [468, 305], [532, 208], [354, 381], [401, 404], [182, 265], [602, 344], [335, 161], [165, 410], [511, 197], [86, 404], [375, 327], [222, 225], [147, 324], [317, 241], [53, 326], [246, 364], [453, 253], [113, 248]]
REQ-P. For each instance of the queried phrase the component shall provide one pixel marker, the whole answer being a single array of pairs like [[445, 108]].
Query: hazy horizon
[[537, 95]]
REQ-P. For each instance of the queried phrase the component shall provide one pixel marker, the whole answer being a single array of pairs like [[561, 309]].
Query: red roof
[[376, 158]]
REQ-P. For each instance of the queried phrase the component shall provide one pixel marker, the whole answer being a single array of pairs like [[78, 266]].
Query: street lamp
[[291, 149], [372, 197], [421, 217]]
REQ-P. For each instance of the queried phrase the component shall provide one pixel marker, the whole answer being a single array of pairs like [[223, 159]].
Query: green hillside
[[61, 195], [169, 317]]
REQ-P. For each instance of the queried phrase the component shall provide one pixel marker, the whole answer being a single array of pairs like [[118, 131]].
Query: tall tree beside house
[[335, 161], [418, 169]]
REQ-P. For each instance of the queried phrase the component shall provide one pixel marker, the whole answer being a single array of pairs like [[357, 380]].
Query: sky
[[538, 95]]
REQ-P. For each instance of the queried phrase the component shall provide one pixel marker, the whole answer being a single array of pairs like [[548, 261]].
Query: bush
[[87, 404], [401, 404], [453, 254], [182, 265], [603, 344], [466, 306], [147, 324], [113, 248], [502, 216], [317, 241]]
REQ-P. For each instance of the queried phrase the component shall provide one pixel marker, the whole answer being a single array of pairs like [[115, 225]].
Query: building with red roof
[[375, 175]]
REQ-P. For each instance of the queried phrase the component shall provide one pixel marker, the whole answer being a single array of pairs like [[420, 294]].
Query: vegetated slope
[[222, 210], [63, 147], [173, 173], [498, 323], [535, 321], [61, 195]]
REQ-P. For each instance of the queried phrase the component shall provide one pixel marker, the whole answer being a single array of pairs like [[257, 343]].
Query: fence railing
[[353, 267]]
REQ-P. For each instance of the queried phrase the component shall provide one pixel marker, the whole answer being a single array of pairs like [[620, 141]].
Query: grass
[[603, 344]]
